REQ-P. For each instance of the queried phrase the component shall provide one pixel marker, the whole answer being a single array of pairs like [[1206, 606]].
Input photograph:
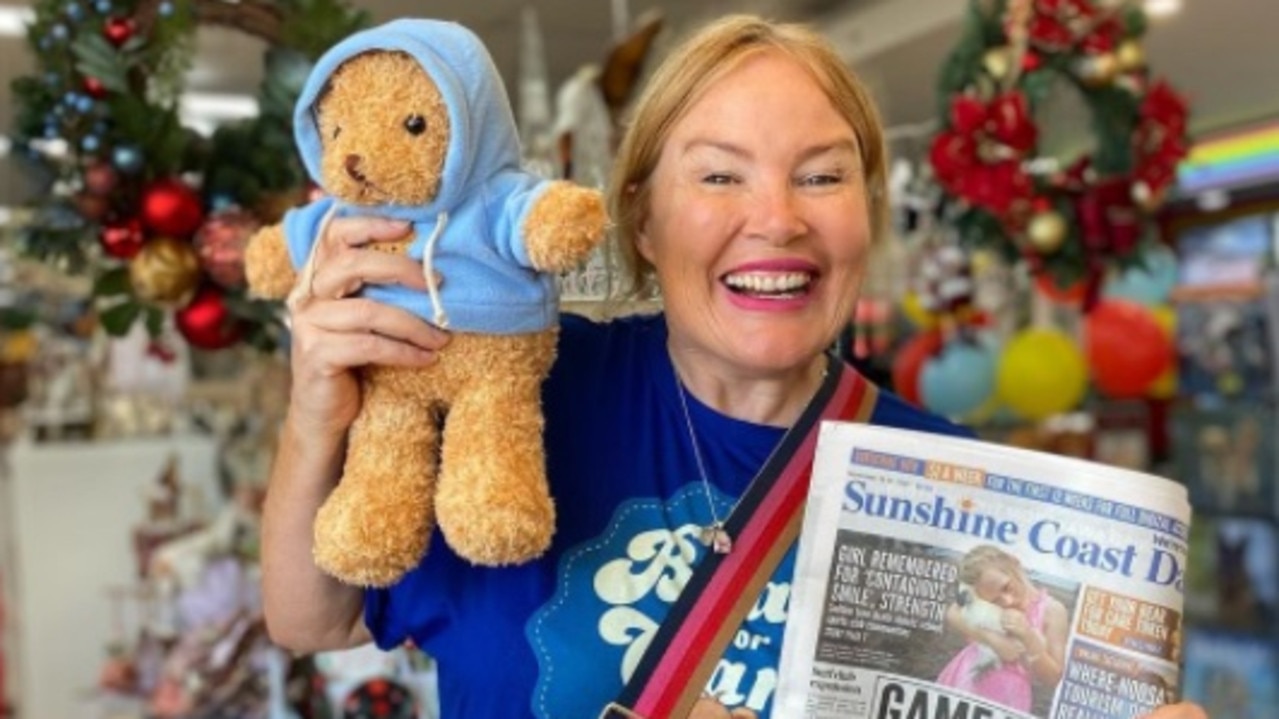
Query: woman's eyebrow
[[696, 144]]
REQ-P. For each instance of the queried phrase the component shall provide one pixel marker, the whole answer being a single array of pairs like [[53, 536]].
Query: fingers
[[361, 231], [1185, 710], [340, 263], [360, 316], [345, 273]]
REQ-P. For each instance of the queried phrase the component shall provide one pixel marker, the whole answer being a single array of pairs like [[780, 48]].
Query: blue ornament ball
[[1148, 283], [74, 12], [90, 143], [959, 380], [127, 159], [165, 9], [102, 6]]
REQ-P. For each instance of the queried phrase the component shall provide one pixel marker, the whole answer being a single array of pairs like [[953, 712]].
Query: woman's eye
[[822, 178], [415, 124], [718, 178]]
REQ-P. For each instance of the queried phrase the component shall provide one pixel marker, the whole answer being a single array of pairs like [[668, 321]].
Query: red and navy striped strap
[[764, 525]]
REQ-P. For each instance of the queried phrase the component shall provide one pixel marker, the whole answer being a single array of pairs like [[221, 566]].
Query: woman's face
[[1001, 588], [758, 225]]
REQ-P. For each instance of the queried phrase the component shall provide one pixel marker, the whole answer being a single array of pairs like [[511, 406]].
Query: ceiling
[[1218, 52]]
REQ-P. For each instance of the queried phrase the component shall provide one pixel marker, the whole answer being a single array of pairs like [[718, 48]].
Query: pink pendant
[[717, 539]]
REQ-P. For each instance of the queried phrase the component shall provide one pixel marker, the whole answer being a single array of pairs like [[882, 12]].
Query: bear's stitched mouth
[[366, 187]]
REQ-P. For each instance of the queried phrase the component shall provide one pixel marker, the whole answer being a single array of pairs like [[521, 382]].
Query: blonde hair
[[987, 556], [687, 73]]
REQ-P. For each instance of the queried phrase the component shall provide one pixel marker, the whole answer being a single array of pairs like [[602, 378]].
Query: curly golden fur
[[458, 444]]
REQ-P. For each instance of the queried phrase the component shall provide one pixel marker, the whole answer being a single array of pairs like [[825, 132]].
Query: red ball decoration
[[1126, 348], [118, 30], [101, 178], [910, 361], [171, 208], [220, 243], [94, 87], [207, 322], [122, 239], [1072, 295], [90, 206]]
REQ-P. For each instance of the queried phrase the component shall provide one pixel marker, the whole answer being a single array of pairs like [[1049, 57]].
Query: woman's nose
[[776, 215]]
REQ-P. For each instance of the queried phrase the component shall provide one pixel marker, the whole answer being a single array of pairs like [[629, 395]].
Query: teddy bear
[[410, 121]]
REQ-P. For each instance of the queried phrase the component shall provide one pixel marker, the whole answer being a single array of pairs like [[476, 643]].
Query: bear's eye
[[337, 130], [415, 124]]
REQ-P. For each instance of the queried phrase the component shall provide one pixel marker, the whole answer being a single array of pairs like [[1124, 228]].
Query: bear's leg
[[375, 525], [493, 504]]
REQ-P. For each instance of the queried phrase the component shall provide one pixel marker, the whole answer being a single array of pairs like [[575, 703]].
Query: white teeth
[[768, 283]]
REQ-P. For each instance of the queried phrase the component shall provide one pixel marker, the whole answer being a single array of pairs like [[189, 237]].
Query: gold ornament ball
[[165, 271], [1130, 56], [1099, 69], [998, 62], [1146, 198], [1046, 231]]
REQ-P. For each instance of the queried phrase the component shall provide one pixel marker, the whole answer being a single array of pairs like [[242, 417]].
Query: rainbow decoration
[[1240, 158]]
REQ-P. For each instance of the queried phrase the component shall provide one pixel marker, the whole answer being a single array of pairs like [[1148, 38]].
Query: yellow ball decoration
[[166, 271], [1165, 386], [1098, 70], [1046, 231], [1041, 373], [1130, 56], [915, 312], [998, 62]]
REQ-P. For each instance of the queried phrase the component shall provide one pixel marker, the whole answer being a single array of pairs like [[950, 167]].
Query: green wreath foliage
[[106, 90]]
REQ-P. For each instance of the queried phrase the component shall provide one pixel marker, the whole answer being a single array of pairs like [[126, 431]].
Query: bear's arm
[[267, 265], [564, 225]]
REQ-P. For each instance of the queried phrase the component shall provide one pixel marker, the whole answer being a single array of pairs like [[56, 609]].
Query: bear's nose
[[353, 168]]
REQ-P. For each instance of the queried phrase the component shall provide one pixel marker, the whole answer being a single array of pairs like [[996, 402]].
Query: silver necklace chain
[[714, 535]]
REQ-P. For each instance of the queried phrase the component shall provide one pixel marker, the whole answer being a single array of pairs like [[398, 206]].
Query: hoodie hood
[[478, 107]]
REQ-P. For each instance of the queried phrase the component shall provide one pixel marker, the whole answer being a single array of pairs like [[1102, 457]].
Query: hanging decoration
[[1069, 219], [156, 213]]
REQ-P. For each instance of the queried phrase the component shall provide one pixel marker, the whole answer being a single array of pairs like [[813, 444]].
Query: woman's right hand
[[334, 331]]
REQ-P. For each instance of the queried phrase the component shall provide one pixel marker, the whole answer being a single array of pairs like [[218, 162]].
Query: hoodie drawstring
[[428, 259]]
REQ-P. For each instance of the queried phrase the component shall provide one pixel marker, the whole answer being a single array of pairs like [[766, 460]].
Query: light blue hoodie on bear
[[484, 197]]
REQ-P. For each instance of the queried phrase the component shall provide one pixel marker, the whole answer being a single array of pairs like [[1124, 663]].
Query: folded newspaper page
[[942, 578]]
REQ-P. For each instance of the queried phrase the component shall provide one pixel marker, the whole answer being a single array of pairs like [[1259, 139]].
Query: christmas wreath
[[1068, 220], [157, 213]]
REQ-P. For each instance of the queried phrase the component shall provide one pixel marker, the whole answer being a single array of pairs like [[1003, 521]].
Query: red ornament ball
[[1126, 348], [909, 362], [220, 243], [122, 238], [94, 87], [171, 208], [118, 30], [90, 206], [207, 322], [100, 178]]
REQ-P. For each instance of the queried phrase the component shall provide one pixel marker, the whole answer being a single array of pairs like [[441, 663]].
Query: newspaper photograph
[[951, 578]]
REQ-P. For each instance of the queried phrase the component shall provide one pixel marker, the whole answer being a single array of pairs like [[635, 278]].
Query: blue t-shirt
[[554, 638]]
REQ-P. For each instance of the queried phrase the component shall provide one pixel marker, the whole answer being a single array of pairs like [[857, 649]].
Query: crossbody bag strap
[[723, 588]]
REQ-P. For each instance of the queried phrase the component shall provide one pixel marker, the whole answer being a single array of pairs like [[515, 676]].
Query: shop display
[[1056, 289], [1232, 675], [120, 206], [1070, 221]]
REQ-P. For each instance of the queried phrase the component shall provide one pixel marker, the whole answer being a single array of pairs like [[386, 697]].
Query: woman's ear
[[643, 243]]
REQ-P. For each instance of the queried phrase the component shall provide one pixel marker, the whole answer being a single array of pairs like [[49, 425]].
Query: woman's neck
[[769, 398]]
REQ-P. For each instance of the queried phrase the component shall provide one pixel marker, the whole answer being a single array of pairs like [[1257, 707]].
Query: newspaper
[[948, 578]]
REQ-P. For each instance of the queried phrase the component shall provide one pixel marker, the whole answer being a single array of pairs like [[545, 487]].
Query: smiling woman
[[104, 116]]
